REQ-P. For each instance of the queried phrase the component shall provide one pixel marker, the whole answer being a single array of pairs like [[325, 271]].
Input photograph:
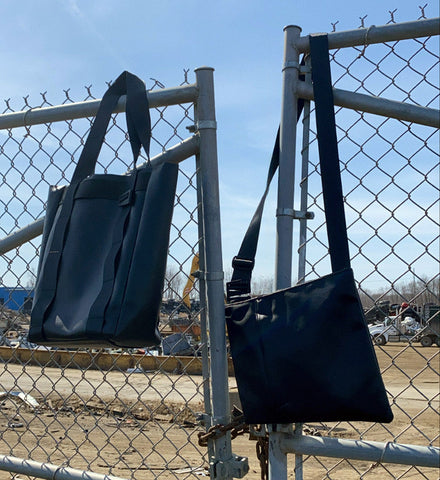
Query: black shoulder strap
[[138, 123], [240, 285], [243, 262], [328, 153]]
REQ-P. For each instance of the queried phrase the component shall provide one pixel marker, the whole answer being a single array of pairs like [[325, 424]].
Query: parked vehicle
[[378, 312], [393, 329], [430, 334]]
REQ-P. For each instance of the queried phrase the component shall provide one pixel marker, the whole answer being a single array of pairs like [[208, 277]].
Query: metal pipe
[[302, 249], [48, 471], [208, 164], [362, 450], [175, 154], [373, 34], [204, 337], [277, 457], [286, 172], [379, 106], [286, 177], [23, 235], [156, 98]]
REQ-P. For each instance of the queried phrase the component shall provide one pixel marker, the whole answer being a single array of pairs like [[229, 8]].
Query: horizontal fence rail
[[160, 98], [48, 471], [363, 450], [379, 106], [176, 154]]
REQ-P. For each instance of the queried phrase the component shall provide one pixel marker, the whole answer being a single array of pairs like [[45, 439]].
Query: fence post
[[213, 273], [304, 182], [285, 212], [286, 176], [204, 337]]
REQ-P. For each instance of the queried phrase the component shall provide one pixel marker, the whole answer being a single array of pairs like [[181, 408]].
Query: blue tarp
[[16, 298]]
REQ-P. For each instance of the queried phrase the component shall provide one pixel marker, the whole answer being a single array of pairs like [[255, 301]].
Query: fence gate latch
[[235, 467]]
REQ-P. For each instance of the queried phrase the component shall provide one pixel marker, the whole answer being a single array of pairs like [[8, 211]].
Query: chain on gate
[[239, 427]]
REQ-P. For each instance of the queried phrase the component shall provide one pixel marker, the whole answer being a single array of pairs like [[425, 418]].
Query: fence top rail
[[37, 116], [384, 33]]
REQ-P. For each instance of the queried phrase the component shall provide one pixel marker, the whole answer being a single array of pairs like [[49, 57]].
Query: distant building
[[16, 298]]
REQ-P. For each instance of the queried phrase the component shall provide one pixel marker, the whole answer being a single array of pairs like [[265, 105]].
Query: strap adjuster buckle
[[243, 264], [237, 290], [126, 198]]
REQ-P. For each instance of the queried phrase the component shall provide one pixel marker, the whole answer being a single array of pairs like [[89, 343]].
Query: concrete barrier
[[83, 359]]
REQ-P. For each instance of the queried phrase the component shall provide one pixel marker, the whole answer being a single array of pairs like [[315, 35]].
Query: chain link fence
[[135, 414], [390, 173], [132, 413]]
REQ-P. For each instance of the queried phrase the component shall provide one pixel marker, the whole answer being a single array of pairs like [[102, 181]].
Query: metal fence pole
[[304, 185], [283, 274], [283, 267], [303, 230], [213, 274], [204, 337]]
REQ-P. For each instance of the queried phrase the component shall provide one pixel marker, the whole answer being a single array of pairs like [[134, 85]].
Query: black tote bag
[[304, 354], [105, 241]]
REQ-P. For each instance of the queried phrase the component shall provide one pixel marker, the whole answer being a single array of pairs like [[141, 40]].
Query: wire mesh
[[390, 174], [135, 413], [131, 413]]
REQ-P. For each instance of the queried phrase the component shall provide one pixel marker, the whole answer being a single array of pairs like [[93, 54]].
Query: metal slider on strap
[[242, 263], [240, 288], [237, 290]]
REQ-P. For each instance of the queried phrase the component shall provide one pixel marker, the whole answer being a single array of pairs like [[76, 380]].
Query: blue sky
[[55, 45]]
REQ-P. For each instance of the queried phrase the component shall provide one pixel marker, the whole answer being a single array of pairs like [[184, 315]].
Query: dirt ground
[[145, 425]]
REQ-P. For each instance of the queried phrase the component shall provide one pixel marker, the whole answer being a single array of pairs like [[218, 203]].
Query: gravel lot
[[133, 424]]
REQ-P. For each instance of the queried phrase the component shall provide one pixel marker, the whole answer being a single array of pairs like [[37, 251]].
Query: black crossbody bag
[[105, 241], [304, 354]]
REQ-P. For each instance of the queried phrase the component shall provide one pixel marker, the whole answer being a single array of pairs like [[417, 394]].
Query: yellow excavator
[[191, 279]]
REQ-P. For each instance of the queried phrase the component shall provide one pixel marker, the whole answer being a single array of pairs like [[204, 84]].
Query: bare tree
[[262, 285], [173, 282]]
